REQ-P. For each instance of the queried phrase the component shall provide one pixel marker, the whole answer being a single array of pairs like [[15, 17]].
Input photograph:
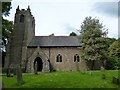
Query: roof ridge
[[56, 36]]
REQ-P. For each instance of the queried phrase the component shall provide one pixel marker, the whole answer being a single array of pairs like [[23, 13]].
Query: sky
[[62, 17]]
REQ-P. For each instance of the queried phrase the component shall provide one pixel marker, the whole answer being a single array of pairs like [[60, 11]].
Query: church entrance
[[38, 64]]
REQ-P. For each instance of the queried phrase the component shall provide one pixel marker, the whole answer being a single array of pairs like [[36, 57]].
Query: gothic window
[[59, 58], [22, 18], [76, 58]]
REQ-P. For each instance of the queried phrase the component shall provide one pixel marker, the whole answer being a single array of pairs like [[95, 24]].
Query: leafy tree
[[93, 41], [114, 49], [110, 63], [109, 41], [7, 26], [6, 6], [114, 55], [73, 34]]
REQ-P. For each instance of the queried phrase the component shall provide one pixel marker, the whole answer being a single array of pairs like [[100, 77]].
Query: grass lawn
[[64, 80]]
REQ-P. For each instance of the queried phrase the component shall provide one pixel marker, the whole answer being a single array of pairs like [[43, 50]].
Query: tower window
[[59, 58], [22, 18], [76, 58]]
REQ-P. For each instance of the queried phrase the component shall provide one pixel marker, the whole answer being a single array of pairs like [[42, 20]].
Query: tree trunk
[[19, 75]]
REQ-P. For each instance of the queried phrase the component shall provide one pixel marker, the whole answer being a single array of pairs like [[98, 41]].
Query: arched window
[[76, 58], [59, 58], [22, 18]]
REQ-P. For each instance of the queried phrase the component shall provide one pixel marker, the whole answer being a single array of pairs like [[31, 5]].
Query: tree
[[114, 49], [114, 55], [109, 41], [6, 6], [73, 34], [93, 41], [7, 27]]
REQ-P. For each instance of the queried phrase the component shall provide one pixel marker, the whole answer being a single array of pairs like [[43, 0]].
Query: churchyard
[[71, 79]]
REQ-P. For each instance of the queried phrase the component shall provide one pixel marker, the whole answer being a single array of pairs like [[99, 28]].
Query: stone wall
[[67, 54]]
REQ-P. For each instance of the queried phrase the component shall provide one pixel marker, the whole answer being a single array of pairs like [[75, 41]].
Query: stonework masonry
[[67, 54]]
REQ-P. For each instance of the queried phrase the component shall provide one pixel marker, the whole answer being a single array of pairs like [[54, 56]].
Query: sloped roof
[[54, 41]]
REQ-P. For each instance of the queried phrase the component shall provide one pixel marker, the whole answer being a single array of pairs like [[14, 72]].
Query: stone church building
[[59, 53]]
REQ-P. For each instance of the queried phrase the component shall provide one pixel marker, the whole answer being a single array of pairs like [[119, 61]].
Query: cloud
[[107, 8]]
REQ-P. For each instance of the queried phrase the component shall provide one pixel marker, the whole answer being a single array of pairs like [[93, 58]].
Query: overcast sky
[[62, 17]]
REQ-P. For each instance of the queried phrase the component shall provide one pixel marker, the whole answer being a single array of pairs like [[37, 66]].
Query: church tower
[[24, 24], [24, 31]]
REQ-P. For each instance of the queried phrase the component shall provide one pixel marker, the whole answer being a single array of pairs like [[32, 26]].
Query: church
[[43, 53]]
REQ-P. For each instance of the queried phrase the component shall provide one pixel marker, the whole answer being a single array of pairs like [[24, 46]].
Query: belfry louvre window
[[22, 17], [59, 58], [76, 58]]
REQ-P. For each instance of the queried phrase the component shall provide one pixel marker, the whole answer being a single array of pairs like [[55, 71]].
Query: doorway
[[38, 64]]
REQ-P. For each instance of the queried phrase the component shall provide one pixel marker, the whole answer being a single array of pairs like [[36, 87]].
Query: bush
[[112, 63]]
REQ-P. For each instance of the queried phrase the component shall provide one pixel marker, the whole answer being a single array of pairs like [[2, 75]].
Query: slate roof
[[54, 41]]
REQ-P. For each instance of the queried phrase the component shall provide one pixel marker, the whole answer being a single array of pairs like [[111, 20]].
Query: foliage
[[112, 63], [73, 34], [93, 40], [6, 6], [114, 56], [64, 80], [109, 41], [114, 50], [7, 26]]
